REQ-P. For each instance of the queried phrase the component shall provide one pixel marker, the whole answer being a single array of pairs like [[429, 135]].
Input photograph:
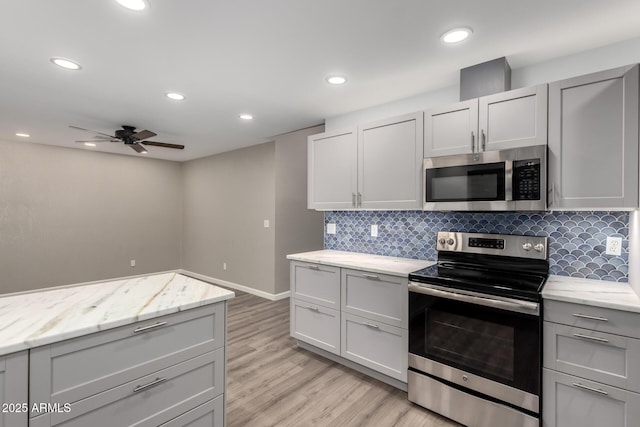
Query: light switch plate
[[331, 228], [266, 223], [374, 230]]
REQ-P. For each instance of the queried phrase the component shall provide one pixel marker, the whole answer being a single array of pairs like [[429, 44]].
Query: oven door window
[[496, 344], [484, 182]]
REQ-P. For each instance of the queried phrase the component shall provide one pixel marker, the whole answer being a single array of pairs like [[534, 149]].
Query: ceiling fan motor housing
[[125, 134]]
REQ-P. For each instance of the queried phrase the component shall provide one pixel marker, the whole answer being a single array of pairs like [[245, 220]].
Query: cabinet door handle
[[484, 140], [151, 384], [353, 199], [359, 199], [586, 316], [591, 338], [473, 141], [370, 276], [312, 308], [371, 325], [594, 390], [147, 328], [313, 267]]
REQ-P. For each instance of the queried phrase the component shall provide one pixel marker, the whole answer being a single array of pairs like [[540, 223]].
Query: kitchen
[[219, 232]]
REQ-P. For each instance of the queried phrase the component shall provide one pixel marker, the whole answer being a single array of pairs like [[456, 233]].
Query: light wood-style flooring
[[272, 382]]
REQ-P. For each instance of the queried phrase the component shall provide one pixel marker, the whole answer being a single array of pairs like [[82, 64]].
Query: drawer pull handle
[[147, 328], [370, 276], [594, 390], [586, 316], [371, 325], [591, 338], [312, 308], [313, 267], [151, 384]]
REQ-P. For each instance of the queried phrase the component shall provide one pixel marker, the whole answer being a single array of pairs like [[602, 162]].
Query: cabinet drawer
[[210, 414], [379, 297], [147, 401], [596, 318], [317, 284], [375, 345], [607, 358], [70, 370], [316, 325], [572, 401]]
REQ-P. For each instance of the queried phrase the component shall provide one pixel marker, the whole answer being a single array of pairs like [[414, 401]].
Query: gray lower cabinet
[[144, 374], [593, 141], [591, 359], [358, 315], [14, 373]]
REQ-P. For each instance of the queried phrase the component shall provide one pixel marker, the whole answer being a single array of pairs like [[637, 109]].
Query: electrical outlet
[[133, 263], [614, 246], [224, 265], [374, 230], [266, 223], [331, 229]]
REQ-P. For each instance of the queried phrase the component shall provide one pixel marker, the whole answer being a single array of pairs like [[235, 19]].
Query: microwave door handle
[[508, 180]]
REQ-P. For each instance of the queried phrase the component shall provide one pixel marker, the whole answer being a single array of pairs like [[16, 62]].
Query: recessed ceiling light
[[246, 116], [23, 135], [336, 79], [175, 96], [90, 144], [67, 64], [133, 4], [456, 35]]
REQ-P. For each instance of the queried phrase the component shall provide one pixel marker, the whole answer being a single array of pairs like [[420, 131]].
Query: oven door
[[489, 344]]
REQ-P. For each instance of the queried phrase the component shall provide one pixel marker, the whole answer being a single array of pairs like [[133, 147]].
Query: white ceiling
[[267, 58]]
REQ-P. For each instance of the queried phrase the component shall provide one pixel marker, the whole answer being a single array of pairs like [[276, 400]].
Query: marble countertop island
[[359, 261], [37, 318], [619, 296]]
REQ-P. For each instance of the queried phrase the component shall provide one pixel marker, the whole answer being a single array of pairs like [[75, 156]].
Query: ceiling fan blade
[[143, 134], [100, 140], [163, 144], [93, 131], [138, 148]]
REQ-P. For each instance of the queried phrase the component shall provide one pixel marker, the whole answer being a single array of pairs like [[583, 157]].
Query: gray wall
[[297, 228], [226, 199], [70, 216]]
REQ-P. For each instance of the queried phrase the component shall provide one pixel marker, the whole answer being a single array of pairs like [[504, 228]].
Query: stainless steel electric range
[[475, 329]]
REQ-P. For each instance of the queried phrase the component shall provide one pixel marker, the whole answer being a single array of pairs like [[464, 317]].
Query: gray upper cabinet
[[390, 163], [593, 141], [517, 118], [332, 170], [379, 166]]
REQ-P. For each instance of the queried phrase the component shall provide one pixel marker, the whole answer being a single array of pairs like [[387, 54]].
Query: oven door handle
[[510, 305]]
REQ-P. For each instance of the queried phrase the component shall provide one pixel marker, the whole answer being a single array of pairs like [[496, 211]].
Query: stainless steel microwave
[[500, 180]]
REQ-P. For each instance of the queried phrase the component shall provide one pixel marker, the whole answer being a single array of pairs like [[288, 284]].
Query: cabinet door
[[316, 325], [390, 163], [593, 141], [570, 401], [332, 170], [517, 118], [375, 345], [379, 297], [14, 380], [451, 130]]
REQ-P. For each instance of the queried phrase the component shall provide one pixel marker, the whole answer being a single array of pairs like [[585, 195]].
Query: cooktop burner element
[[495, 264]]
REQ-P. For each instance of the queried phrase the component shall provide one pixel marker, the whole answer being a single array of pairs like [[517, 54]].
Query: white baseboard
[[226, 284]]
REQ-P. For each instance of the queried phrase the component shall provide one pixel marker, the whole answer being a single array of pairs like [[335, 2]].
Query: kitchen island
[[148, 348]]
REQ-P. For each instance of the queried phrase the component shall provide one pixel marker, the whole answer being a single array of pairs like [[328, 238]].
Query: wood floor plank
[[273, 382]]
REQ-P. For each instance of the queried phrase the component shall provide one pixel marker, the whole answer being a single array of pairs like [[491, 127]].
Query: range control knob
[[442, 241], [451, 242], [527, 246], [539, 247]]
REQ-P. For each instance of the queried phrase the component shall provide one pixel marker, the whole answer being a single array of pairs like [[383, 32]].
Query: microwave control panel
[[526, 179]]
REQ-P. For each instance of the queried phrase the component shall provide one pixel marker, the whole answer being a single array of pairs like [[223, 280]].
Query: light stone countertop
[[37, 318], [619, 296], [359, 261]]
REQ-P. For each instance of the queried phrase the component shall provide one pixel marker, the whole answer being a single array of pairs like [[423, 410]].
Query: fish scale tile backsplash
[[577, 240]]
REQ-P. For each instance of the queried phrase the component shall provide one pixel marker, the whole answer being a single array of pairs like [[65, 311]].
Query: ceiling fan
[[130, 137]]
